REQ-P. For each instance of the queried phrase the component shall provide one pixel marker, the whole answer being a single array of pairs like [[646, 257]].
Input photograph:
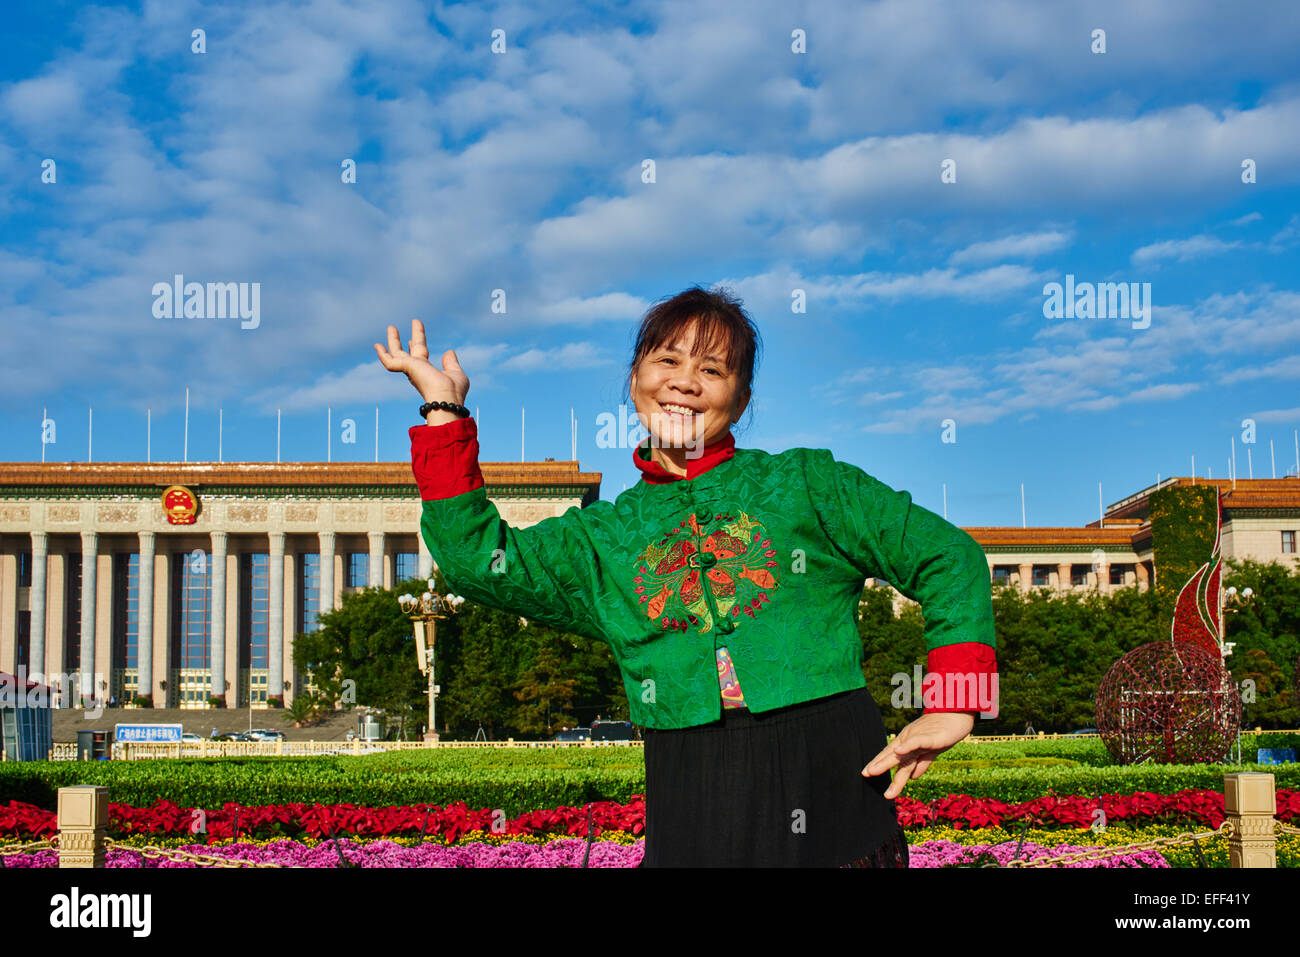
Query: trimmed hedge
[[515, 786], [519, 780], [1025, 784]]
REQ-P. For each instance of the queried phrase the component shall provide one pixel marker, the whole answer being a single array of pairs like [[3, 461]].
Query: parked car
[[265, 734], [233, 736], [187, 737], [612, 731], [573, 734], [1085, 731]]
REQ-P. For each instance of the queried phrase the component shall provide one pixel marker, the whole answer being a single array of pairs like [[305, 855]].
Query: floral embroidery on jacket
[[732, 696], [740, 576]]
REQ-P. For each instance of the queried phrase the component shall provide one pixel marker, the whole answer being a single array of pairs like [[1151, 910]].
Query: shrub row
[[523, 781]]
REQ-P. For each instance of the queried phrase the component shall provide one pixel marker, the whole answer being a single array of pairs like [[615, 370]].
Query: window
[[1079, 574], [1118, 573], [408, 565], [309, 588], [358, 569], [1001, 573], [1288, 543], [24, 569], [259, 609], [72, 618], [195, 603], [1041, 575], [126, 610], [23, 646]]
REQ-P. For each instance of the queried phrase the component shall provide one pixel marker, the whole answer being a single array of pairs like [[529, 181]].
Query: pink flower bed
[[562, 852]]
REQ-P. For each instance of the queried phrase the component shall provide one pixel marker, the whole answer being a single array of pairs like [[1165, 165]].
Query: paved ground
[[67, 722]]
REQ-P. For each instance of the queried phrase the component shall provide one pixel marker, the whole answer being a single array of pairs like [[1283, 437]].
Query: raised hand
[[917, 745], [448, 384]]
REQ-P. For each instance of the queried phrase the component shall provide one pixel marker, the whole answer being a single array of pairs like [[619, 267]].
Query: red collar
[[714, 454]]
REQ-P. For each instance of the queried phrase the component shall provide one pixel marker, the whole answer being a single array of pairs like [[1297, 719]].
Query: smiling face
[[685, 401]]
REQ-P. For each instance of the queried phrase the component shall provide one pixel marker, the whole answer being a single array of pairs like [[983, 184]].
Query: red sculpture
[[1175, 702], [1169, 703]]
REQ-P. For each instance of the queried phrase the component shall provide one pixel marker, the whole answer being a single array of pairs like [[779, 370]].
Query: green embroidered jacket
[[764, 554]]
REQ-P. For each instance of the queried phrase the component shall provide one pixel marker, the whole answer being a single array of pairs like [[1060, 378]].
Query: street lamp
[[425, 611], [1227, 597]]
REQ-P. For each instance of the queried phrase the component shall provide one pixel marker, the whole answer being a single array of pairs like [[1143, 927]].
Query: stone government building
[[133, 567]]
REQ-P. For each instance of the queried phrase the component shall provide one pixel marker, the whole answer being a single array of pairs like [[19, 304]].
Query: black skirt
[[783, 788]]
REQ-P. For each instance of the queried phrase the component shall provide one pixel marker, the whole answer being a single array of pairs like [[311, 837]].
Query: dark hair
[[722, 320]]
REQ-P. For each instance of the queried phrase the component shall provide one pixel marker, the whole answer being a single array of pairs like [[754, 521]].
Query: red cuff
[[973, 687], [444, 458]]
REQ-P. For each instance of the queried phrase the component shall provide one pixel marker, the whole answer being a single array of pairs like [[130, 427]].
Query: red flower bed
[[1142, 807], [164, 818], [316, 820]]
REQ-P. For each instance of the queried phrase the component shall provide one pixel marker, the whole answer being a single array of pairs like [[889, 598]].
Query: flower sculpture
[[1174, 702]]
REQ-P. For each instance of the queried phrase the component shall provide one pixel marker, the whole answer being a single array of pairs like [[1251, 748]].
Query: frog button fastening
[[726, 626]]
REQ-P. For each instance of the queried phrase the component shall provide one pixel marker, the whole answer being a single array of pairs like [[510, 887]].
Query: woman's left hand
[[917, 745]]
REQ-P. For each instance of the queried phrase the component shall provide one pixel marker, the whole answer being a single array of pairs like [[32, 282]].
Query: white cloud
[[1021, 246], [574, 355], [578, 310], [1182, 250]]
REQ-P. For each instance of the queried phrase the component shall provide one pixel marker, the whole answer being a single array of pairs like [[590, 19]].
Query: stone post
[[1250, 803], [83, 825]]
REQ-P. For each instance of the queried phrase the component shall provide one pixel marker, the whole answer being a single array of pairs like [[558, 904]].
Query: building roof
[[271, 474], [1015, 537], [1128, 522], [1283, 493]]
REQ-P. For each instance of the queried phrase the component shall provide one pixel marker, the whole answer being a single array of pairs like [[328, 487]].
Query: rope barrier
[[176, 854], [28, 848], [1187, 837]]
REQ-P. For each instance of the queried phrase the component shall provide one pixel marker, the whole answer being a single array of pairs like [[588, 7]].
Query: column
[[426, 558], [1064, 571], [377, 559], [36, 602], [1026, 576], [89, 561], [104, 625], [56, 626], [9, 612], [275, 640], [144, 606], [217, 635], [235, 586], [326, 572], [1143, 579]]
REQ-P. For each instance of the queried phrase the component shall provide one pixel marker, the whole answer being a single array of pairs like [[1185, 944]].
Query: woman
[[726, 582]]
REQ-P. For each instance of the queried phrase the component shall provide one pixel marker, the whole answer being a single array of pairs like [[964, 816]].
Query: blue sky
[[775, 172]]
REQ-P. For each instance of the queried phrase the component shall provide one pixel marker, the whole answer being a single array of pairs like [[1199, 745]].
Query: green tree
[[364, 654], [546, 692]]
